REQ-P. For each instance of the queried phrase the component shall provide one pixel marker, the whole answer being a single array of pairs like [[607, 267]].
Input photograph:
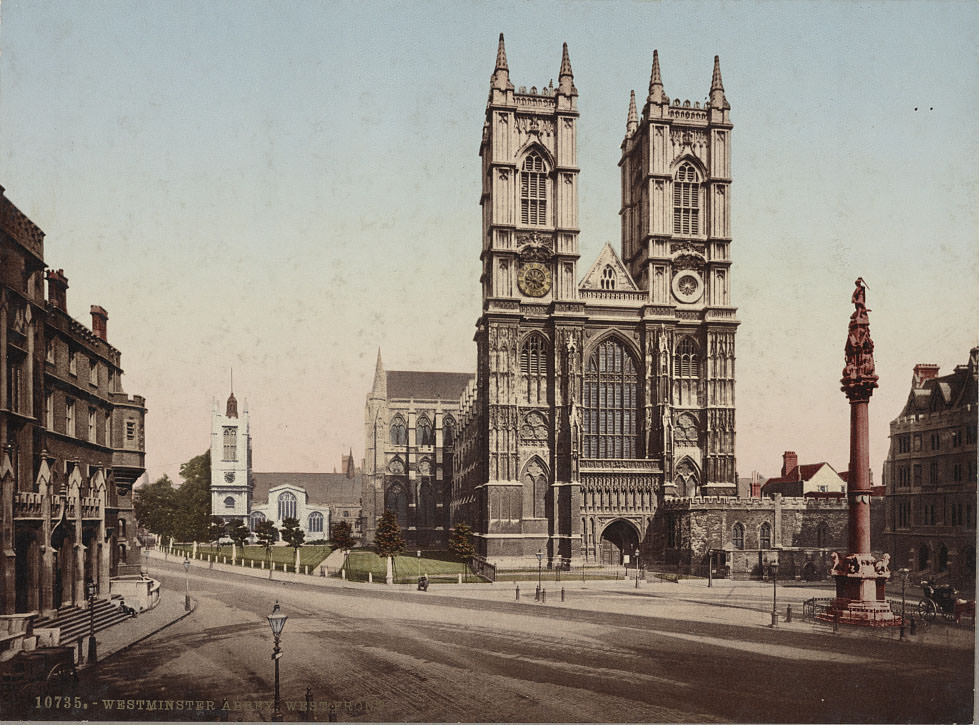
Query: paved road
[[389, 656]]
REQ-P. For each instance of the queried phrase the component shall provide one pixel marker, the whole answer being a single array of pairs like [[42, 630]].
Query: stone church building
[[600, 394]]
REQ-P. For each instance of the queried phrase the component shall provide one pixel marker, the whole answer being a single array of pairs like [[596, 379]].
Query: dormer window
[[608, 277], [533, 191], [686, 200]]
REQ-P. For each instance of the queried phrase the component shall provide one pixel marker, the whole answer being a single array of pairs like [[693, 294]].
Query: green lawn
[[436, 564], [309, 556]]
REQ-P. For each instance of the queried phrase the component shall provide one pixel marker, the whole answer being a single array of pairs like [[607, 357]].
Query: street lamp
[[773, 570], [540, 559], [637, 568], [186, 584], [277, 620], [905, 573], [93, 656]]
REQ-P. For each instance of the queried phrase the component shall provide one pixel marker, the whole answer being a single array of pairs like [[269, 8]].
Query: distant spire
[[632, 123], [717, 99], [232, 409], [501, 74], [380, 388], [656, 94], [350, 464], [565, 81]]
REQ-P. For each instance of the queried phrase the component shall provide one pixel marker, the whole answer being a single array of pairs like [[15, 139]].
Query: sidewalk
[[126, 634]]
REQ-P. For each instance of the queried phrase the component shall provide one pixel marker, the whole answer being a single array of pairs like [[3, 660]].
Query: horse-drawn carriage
[[944, 599], [41, 673]]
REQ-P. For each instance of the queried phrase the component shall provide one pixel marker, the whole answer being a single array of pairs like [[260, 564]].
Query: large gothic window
[[611, 402], [423, 432], [533, 191], [737, 537], [448, 430], [535, 489], [765, 536], [533, 367], [686, 200], [287, 506], [255, 519], [315, 523], [396, 500], [399, 432], [230, 443], [686, 370]]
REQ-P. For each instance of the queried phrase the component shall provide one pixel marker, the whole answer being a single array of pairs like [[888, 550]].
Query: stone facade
[[596, 399], [930, 475], [72, 438]]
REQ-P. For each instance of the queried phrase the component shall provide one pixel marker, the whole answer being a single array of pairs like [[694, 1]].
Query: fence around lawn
[[282, 558], [364, 565]]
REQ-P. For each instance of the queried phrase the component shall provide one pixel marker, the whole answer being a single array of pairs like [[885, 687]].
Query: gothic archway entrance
[[618, 538]]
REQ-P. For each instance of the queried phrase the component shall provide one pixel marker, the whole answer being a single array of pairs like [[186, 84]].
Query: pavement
[[729, 602]]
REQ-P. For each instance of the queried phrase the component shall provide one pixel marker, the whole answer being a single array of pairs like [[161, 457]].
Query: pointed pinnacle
[[715, 81], [717, 99], [632, 123], [501, 55], [565, 84], [656, 94], [565, 62]]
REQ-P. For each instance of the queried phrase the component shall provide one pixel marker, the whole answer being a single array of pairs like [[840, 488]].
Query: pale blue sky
[[285, 186]]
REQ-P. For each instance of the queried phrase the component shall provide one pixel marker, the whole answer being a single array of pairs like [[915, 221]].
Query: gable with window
[[608, 277]]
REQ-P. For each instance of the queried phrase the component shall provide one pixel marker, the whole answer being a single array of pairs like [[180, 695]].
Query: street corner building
[[72, 440]]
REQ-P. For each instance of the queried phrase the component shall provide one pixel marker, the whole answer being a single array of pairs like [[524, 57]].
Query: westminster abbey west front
[[597, 398]]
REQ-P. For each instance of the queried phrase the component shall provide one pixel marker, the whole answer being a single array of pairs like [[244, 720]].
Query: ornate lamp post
[[773, 572], [277, 621], [93, 656], [186, 584], [637, 568], [540, 560]]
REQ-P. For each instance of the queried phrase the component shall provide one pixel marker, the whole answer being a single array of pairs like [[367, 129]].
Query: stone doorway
[[618, 539]]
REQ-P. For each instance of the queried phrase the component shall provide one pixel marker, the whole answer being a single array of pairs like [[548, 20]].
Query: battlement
[[797, 503]]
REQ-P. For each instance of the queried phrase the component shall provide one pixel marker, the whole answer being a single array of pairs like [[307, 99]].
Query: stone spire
[[380, 387], [501, 74], [632, 123], [348, 469], [656, 94], [717, 99], [565, 84]]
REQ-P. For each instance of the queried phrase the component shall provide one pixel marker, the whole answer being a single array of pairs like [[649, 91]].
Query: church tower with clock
[[231, 463]]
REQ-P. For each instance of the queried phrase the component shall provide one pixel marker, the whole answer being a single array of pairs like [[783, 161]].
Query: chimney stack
[[99, 319], [58, 288], [923, 372], [790, 462]]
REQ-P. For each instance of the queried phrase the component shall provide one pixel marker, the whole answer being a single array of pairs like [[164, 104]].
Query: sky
[[283, 187]]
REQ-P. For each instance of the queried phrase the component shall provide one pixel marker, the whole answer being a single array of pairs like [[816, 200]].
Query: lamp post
[[905, 573], [93, 655], [540, 559], [773, 570], [710, 567], [277, 620], [637, 568], [186, 584]]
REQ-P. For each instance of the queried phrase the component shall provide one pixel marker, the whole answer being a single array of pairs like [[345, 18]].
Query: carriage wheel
[[927, 610]]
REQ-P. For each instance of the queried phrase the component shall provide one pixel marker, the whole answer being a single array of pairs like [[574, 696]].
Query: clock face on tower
[[534, 279], [229, 476]]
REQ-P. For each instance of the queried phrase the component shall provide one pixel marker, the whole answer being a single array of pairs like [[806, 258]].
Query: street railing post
[[518, 592]]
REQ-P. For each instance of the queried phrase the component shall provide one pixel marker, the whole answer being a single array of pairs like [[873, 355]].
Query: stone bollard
[[370, 577], [343, 573], [788, 614], [562, 594], [262, 564], [460, 578], [518, 592]]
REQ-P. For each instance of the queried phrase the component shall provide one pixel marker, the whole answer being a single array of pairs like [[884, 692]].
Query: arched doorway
[[63, 566], [618, 538]]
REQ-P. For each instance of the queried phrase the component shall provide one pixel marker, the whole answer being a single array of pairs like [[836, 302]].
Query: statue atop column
[[859, 378]]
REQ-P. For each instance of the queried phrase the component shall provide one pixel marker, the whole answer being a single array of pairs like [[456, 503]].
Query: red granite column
[[858, 479]]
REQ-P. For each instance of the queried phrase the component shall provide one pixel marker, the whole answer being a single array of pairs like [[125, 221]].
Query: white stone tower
[[231, 463]]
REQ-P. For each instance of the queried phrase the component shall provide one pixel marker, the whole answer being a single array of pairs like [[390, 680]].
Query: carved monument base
[[860, 595]]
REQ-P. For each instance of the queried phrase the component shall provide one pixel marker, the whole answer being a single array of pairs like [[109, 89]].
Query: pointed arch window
[[399, 432], [610, 402], [287, 506], [230, 443], [423, 431], [686, 370], [686, 200], [822, 534], [315, 523], [533, 191], [608, 277], [255, 519], [448, 430], [765, 536], [533, 367], [737, 537]]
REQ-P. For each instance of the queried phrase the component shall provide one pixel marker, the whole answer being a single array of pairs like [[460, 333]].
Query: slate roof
[[956, 389], [424, 385], [322, 488], [799, 473]]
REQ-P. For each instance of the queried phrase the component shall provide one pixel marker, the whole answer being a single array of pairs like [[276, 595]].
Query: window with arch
[[229, 502], [765, 536], [822, 534], [396, 500], [287, 506], [533, 367], [533, 191], [315, 523], [686, 370], [255, 519], [608, 277], [610, 403], [737, 536], [535, 489], [426, 504], [423, 432], [448, 430], [399, 431], [230, 443], [686, 200]]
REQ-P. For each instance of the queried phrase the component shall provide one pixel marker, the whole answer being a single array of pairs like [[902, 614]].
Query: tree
[[291, 533], [342, 536], [238, 532], [216, 530], [460, 544], [388, 539], [182, 512], [267, 534], [155, 505]]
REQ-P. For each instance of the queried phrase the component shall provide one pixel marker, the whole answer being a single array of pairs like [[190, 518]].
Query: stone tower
[[231, 463], [676, 240]]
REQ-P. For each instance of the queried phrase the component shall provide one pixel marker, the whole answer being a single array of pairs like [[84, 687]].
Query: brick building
[[930, 475], [72, 439]]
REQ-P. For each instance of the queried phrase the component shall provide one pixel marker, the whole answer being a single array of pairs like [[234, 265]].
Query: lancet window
[[610, 403], [686, 200], [533, 367], [533, 191]]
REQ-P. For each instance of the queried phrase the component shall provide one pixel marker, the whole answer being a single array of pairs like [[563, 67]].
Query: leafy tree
[[238, 532], [267, 535], [342, 536], [216, 530], [182, 512], [292, 534], [460, 544], [388, 539], [155, 506]]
